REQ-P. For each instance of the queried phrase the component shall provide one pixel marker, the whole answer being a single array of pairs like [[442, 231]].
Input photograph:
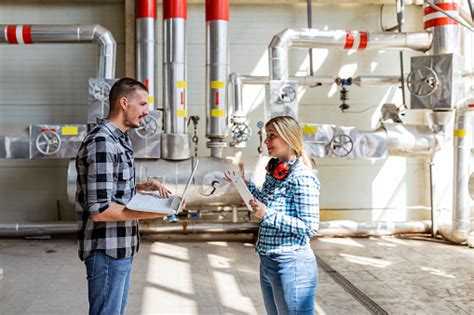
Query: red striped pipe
[[356, 40], [174, 9], [217, 10], [433, 18], [18, 34], [146, 9]]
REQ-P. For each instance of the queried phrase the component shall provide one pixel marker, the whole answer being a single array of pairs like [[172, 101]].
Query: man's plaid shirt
[[105, 174], [292, 214]]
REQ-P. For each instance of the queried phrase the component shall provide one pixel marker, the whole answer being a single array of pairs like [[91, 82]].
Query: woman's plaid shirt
[[292, 214], [105, 174]]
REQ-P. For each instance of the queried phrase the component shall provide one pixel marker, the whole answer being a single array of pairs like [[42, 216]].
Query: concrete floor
[[217, 277]]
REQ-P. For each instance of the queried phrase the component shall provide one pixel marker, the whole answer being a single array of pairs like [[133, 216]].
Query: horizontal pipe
[[351, 40], [326, 228], [50, 34]]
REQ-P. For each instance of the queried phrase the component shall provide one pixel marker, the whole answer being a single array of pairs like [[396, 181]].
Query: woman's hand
[[259, 208], [154, 185], [228, 174]]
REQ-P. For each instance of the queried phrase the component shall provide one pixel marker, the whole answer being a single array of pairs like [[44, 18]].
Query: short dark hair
[[124, 87]]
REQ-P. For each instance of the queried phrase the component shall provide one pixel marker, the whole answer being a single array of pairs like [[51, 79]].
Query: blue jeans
[[108, 280], [289, 281]]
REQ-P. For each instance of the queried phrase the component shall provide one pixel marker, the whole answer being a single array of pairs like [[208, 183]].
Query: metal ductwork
[[339, 39], [145, 47], [444, 29], [50, 34], [217, 69], [175, 142], [460, 227]]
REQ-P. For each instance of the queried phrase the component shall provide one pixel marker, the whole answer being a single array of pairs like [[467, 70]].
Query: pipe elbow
[[283, 39], [455, 236], [103, 36]]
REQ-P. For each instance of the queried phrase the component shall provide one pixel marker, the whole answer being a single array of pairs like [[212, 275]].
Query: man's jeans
[[108, 280], [288, 282]]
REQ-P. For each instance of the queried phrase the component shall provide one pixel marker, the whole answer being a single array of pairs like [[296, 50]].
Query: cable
[[360, 111]]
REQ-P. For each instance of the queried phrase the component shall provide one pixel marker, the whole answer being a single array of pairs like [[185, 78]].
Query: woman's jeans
[[289, 281], [108, 280]]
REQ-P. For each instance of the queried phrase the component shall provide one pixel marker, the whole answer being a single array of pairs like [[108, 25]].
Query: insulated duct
[[217, 68], [51, 34], [313, 38], [145, 47], [175, 142]]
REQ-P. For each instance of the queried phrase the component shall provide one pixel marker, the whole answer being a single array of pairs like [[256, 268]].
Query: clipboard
[[243, 190]]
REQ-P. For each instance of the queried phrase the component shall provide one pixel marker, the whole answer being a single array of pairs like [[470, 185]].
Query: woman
[[288, 207]]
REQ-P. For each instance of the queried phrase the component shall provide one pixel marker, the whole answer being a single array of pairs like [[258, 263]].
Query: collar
[[115, 131]]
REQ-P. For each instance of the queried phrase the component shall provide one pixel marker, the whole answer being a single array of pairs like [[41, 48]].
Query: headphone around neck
[[279, 170]]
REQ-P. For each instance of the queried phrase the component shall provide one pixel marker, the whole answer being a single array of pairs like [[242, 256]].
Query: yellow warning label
[[181, 84], [459, 133], [310, 129], [69, 131], [181, 113], [217, 113], [151, 99], [217, 85]]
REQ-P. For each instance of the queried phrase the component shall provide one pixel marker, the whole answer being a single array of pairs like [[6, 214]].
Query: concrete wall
[[48, 84]]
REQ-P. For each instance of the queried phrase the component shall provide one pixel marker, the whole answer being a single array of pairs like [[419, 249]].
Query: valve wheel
[[287, 94], [341, 145], [100, 90], [422, 81], [48, 142], [241, 132], [148, 127]]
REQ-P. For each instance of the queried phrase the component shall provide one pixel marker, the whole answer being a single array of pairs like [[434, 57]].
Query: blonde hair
[[290, 130]]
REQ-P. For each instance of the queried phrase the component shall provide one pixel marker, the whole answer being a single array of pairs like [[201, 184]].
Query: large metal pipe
[[460, 227], [411, 140], [145, 47], [326, 228], [175, 142], [444, 29], [313, 38], [53, 34], [217, 69]]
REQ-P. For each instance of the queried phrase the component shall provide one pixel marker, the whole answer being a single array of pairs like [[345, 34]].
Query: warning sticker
[[217, 85], [181, 84], [310, 129], [69, 131], [459, 133], [181, 113], [217, 113]]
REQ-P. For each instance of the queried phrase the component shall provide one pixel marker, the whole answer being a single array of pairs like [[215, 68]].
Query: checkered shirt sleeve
[[292, 215]]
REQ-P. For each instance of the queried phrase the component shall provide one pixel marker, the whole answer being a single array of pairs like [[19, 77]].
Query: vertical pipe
[[175, 142], [217, 68], [309, 4], [174, 66], [145, 47], [445, 30]]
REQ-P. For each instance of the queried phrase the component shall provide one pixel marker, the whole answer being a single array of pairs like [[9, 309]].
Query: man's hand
[[154, 185]]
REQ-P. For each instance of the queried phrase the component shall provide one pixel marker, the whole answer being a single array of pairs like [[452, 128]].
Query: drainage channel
[[360, 296]]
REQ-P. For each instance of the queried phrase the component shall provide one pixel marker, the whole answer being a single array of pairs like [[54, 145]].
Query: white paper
[[243, 190], [154, 203]]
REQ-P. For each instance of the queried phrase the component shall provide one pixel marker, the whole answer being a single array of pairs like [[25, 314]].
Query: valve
[[341, 145], [48, 142], [422, 81], [148, 127]]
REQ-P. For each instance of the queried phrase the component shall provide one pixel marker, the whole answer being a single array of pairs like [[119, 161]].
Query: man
[[108, 231]]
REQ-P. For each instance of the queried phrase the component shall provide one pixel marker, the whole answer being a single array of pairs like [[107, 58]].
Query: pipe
[[471, 185], [313, 38], [145, 46], [327, 228], [444, 29], [52, 34], [217, 69], [352, 228], [175, 142], [460, 227], [410, 140]]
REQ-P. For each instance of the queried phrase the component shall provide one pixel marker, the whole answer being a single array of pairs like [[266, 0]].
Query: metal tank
[[209, 189]]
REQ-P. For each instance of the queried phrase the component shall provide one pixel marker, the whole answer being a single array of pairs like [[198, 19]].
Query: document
[[243, 190], [150, 202]]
